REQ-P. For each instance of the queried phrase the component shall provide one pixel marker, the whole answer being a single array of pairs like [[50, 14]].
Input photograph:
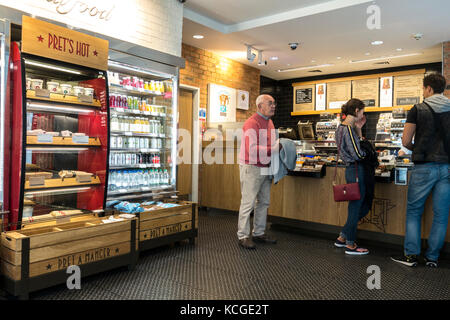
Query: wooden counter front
[[311, 200]]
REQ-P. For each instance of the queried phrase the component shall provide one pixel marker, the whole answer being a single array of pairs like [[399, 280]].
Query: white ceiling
[[325, 30]]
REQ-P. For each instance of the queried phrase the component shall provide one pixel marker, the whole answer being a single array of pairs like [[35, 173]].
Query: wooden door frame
[[196, 142]]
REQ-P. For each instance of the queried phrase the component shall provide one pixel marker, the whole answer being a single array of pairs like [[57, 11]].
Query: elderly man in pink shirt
[[257, 145]]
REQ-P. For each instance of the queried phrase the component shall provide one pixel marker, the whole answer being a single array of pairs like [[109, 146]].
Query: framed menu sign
[[386, 84], [321, 96], [408, 89], [304, 98], [338, 93], [366, 90]]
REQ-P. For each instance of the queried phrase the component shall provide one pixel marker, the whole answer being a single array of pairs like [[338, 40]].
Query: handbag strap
[[337, 161]]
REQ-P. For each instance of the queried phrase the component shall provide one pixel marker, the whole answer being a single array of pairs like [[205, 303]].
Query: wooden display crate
[[37, 258], [164, 226]]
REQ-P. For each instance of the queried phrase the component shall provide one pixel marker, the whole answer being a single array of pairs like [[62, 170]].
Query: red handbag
[[345, 192]]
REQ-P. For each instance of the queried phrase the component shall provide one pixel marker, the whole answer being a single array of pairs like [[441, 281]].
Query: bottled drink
[[145, 179], [166, 176], [119, 179]]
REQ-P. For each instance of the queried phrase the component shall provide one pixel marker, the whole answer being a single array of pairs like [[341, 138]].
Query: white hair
[[260, 99]]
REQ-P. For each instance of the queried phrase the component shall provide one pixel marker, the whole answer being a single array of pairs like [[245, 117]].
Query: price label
[[142, 166], [136, 111], [145, 150], [145, 189], [141, 89], [80, 139], [119, 109], [147, 113], [86, 99], [45, 138], [36, 181], [128, 133], [43, 93], [123, 190]]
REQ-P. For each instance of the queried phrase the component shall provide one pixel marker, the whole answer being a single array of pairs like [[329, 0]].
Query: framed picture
[[221, 104], [242, 98]]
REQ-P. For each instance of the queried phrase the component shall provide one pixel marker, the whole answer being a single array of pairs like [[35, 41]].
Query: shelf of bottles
[[140, 133]]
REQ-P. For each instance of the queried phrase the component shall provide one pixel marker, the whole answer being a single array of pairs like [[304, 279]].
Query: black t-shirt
[[412, 115]]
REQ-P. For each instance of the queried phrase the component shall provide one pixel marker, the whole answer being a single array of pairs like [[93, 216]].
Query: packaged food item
[[36, 84], [66, 88], [66, 133], [89, 92], [29, 84], [77, 91], [53, 86]]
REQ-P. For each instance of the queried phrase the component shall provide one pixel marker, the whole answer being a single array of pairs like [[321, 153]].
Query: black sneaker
[[431, 263], [410, 261], [264, 239]]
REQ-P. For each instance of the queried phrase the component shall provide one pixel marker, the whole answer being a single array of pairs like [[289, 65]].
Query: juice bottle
[[146, 87], [152, 86]]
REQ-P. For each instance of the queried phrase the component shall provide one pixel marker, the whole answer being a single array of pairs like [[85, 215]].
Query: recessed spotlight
[[198, 36], [399, 49], [313, 61], [274, 58], [367, 53], [339, 58], [377, 43]]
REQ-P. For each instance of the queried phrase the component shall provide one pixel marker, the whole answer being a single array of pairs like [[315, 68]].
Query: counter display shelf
[[57, 97], [167, 221], [37, 258]]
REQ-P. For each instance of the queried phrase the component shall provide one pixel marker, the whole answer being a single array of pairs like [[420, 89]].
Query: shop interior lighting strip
[[62, 150], [53, 191], [134, 69], [307, 67], [56, 108], [42, 65], [386, 58]]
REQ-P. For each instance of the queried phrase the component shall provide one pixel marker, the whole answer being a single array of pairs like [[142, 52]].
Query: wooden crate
[[162, 226], [37, 253]]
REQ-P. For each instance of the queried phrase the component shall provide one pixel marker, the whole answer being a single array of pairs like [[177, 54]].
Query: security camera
[[417, 36], [293, 45], [263, 63], [182, 1]]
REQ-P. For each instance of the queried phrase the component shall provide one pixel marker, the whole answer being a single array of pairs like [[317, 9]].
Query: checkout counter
[[304, 198]]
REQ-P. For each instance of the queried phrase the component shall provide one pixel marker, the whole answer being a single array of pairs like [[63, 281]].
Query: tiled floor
[[297, 268]]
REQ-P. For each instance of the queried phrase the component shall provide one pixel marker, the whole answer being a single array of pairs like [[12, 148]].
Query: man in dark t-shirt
[[426, 122]]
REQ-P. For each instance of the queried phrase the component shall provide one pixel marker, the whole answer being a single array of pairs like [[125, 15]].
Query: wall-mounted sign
[[243, 99], [386, 89], [321, 96], [366, 90], [338, 93], [221, 103], [51, 41], [408, 90], [304, 98], [88, 9]]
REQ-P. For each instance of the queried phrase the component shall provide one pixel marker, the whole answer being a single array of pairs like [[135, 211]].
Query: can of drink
[[113, 142]]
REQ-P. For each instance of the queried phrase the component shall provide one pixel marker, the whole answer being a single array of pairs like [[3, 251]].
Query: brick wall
[[446, 65], [155, 24], [203, 67]]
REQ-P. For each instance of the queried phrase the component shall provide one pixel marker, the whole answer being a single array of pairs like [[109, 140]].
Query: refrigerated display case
[[142, 126], [59, 138]]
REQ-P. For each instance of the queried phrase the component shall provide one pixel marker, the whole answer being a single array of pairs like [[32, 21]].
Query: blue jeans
[[427, 178], [358, 209]]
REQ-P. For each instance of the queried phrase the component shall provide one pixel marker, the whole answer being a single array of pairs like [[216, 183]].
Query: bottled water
[[166, 176], [152, 178], [156, 177], [119, 181], [145, 179], [141, 179]]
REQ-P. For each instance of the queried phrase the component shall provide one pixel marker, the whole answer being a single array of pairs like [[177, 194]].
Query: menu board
[[338, 93], [304, 98], [386, 84], [408, 90], [321, 96], [366, 90]]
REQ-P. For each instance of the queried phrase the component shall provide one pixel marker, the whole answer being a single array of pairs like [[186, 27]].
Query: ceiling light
[[386, 58], [305, 68], [377, 43], [198, 36], [274, 58], [367, 53], [399, 49], [313, 61], [339, 58]]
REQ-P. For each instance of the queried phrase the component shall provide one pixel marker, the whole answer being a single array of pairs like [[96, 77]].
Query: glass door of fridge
[[142, 126]]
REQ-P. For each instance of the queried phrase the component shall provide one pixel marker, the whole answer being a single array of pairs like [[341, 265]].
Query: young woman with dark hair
[[348, 136]]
